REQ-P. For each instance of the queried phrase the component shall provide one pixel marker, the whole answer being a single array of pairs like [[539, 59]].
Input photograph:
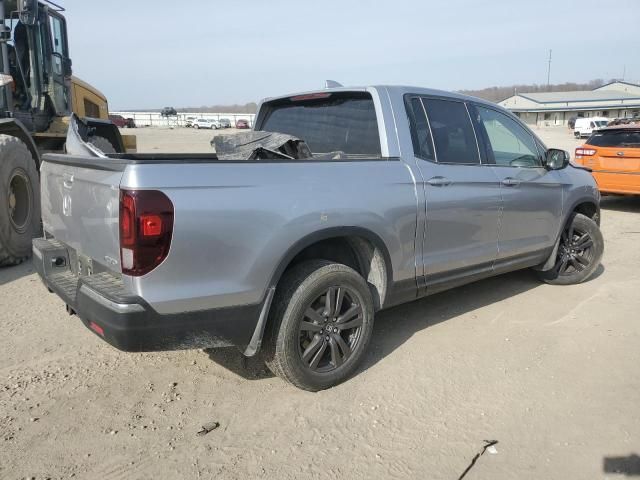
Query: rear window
[[333, 122], [452, 131], [615, 138]]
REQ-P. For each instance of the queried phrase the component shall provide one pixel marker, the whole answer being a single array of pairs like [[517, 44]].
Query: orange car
[[613, 153]]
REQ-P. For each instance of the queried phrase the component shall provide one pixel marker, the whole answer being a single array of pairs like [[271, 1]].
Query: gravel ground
[[549, 372]]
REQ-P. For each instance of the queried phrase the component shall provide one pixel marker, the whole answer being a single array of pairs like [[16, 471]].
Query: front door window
[[509, 143]]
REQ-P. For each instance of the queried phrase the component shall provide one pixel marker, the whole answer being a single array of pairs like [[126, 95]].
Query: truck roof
[[393, 89]]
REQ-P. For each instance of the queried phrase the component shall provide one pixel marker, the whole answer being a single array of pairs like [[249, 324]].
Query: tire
[[197, 127], [103, 144], [579, 253], [19, 201], [336, 351]]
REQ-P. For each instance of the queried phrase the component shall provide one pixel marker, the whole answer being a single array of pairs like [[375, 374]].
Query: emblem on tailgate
[[66, 205], [110, 260], [620, 154]]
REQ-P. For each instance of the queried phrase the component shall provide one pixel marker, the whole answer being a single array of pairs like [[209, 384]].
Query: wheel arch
[[366, 245], [587, 206], [14, 128]]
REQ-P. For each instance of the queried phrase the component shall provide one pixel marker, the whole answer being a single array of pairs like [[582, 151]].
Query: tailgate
[[617, 159], [80, 207]]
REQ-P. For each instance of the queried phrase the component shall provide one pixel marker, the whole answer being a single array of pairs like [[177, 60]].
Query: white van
[[585, 126]]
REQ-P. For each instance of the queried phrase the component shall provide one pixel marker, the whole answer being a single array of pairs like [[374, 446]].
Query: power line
[[549, 70]]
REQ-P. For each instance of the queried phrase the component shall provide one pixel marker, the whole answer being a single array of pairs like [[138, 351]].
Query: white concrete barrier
[[154, 119]]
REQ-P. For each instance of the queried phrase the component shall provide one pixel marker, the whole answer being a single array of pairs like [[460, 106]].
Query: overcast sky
[[154, 53]]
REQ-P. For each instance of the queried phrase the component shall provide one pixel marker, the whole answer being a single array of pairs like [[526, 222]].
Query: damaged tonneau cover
[[260, 146]]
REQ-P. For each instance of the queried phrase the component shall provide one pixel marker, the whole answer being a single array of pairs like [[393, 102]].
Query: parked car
[[168, 112], [189, 122], [386, 195], [225, 123], [206, 123], [624, 121], [242, 124], [130, 123], [118, 120], [585, 126], [613, 153]]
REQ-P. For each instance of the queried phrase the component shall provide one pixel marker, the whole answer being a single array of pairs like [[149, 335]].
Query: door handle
[[439, 181], [511, 182]]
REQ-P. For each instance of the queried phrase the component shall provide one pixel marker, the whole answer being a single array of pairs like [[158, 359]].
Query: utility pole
[[624, 71], [549, 70]]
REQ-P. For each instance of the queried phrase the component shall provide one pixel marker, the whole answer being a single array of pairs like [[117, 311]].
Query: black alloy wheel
[[320, 324], [576, 251], [330, 329], [579, 252]]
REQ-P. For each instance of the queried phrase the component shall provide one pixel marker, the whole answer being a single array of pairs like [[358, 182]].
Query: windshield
[[615, 138], [601, 123], [328, 122]]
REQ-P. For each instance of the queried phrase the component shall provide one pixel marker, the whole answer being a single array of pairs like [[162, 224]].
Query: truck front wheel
[[320, 325], [579, 252], [19, 201]]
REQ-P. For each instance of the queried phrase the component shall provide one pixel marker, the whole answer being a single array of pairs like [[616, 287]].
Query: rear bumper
[[625, 183], [128, 322]]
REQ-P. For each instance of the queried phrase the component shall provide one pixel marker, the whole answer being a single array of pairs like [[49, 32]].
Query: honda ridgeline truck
[[399, 193]]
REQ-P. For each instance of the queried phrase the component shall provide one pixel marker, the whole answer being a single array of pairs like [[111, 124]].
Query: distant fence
[[154, 119]]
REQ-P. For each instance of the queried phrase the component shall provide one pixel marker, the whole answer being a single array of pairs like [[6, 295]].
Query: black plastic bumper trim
[[136, 327]]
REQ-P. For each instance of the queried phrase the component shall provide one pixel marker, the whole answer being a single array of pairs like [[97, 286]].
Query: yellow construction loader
[[37, 95]]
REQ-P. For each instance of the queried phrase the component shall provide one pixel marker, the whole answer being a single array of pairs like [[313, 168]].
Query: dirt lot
[[552, 373], [153, 140]]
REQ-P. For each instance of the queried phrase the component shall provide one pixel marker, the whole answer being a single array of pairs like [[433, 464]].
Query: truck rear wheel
[[19, 201], [320, 325]]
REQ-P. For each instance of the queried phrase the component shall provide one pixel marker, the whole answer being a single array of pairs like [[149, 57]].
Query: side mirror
[[556, 159]]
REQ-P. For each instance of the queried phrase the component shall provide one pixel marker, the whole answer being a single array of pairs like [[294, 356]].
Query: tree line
[[497, 94]]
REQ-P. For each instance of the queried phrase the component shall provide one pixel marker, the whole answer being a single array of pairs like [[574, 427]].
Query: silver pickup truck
[[402, 192]]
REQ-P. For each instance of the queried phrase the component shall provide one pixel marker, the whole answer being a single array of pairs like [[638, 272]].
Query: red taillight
[[151, 225], [585, 152], [146, 227], [127, 219]]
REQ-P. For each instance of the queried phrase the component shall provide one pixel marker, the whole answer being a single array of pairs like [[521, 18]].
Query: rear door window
[[453, 134], [510, 144], [615, 138], [420, 132], [328, 122]]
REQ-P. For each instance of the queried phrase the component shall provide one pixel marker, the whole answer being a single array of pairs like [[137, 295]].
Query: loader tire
[[19, 201]]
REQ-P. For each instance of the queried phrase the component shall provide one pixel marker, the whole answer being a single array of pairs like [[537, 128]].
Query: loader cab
[[35, 54]]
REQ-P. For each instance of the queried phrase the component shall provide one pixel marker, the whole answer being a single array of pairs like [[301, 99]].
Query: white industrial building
[[545, 109]]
